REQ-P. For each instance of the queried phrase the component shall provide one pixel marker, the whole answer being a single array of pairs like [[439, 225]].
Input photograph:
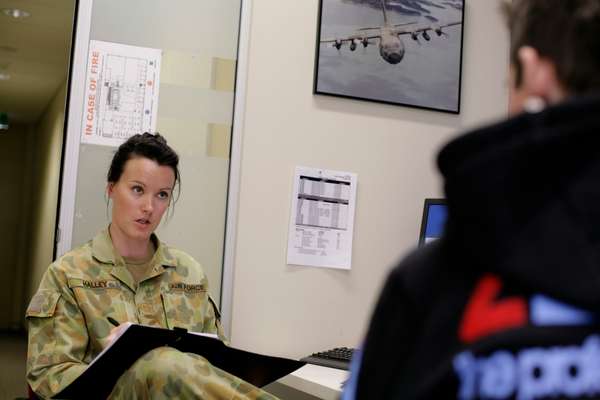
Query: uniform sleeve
[[58, 336], [212, 321]]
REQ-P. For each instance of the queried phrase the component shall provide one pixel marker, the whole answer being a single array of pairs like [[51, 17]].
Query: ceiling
[[35, 53]]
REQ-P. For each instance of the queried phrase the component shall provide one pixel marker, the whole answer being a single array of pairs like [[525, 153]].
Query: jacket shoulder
[[73, 259], [421, 267], [184, 263]]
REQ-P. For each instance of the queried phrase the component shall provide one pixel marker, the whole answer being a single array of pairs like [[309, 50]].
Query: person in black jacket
[[506, 304]]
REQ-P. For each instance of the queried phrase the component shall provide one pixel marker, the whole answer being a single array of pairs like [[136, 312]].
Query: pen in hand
[[117, 330]]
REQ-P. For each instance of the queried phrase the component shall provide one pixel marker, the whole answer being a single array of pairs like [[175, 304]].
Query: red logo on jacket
[[485, 314]]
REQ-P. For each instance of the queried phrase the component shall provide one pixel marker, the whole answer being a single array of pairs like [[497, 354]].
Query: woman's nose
[[147, 204]]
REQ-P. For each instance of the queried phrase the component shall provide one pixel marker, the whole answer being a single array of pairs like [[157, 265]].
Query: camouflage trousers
[[167, 373]]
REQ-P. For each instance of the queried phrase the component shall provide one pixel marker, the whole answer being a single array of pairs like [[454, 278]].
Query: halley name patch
[[100, 284]]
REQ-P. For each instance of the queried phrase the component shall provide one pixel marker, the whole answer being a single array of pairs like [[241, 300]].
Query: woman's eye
[[137, 189], [163, 195]]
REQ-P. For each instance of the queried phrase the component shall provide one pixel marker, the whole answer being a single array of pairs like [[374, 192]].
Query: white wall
[[293, 311]]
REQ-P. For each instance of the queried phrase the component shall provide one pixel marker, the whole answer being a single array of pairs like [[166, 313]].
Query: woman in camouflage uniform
[[127, 274]]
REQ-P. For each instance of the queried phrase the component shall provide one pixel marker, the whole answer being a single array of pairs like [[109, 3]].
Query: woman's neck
[[134, 250]]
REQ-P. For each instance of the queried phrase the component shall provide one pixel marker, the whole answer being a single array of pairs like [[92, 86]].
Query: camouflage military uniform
[[68, 323]]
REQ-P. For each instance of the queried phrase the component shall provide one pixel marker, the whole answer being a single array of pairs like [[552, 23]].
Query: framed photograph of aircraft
[[405, 52]]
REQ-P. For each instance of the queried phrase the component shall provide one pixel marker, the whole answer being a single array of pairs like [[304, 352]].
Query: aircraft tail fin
[[385, 19]]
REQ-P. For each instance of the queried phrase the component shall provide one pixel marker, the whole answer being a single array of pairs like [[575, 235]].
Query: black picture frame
[[351, 62]]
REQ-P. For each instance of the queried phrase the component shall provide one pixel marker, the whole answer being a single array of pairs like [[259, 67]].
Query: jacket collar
[[104, 251]]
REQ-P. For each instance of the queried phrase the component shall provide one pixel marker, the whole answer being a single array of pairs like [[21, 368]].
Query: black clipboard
[[98, 380]]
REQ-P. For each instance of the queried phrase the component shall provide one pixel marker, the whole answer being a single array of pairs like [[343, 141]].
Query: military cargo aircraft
[[391, 47]]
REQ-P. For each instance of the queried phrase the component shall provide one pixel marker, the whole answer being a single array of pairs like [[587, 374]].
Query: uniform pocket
[[98, 299], [185, 309], [43, 304]]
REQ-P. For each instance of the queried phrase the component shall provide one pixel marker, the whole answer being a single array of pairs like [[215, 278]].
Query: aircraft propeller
[[438, 31], [415, 36]]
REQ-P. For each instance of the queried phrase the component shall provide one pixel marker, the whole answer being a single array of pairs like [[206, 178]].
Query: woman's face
[[140, 198]]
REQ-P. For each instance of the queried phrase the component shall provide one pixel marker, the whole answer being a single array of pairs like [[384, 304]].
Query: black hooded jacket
[[505, 305]]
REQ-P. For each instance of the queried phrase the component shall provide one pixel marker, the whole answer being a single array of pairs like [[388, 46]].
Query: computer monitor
[[435, 212]]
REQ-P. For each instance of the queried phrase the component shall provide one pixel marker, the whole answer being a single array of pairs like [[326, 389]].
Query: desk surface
[[322, 382]]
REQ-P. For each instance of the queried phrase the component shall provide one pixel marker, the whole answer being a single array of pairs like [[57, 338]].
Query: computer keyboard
[[335, 358]]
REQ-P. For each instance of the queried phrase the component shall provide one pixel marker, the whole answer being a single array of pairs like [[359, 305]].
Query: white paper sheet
[[121, 94], [322, 218]]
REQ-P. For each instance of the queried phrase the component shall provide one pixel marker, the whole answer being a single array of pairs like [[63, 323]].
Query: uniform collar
[[104, 251]]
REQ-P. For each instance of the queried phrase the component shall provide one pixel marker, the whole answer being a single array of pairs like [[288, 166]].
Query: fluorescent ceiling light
[[16, 13]]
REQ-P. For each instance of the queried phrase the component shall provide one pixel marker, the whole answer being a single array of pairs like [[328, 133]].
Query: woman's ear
[[109, 189], [539, 76]]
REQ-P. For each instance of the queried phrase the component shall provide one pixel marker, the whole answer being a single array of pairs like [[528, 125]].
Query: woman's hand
[[117, 331]]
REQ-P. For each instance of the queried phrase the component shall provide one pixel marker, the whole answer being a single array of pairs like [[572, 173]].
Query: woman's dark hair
[[146, 145]]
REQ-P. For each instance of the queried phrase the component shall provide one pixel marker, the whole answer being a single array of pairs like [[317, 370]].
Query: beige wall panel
[[294, 311], [218, 140], [186, 69], [223, 74]]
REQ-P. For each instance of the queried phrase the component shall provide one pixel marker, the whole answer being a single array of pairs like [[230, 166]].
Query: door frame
[[75, 112]]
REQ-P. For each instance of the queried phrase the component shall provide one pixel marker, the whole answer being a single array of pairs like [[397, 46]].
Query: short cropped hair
[[567, 32]]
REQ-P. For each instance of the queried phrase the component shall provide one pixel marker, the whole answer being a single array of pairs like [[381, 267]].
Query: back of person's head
[[566, 32]]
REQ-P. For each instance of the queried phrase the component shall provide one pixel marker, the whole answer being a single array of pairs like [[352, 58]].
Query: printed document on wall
[[121, 92], [322, 218]]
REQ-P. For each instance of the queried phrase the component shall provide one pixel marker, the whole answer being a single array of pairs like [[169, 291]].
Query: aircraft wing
[[416, 29], [404, 24], [351, 38], [356, 38], [368, 28]]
